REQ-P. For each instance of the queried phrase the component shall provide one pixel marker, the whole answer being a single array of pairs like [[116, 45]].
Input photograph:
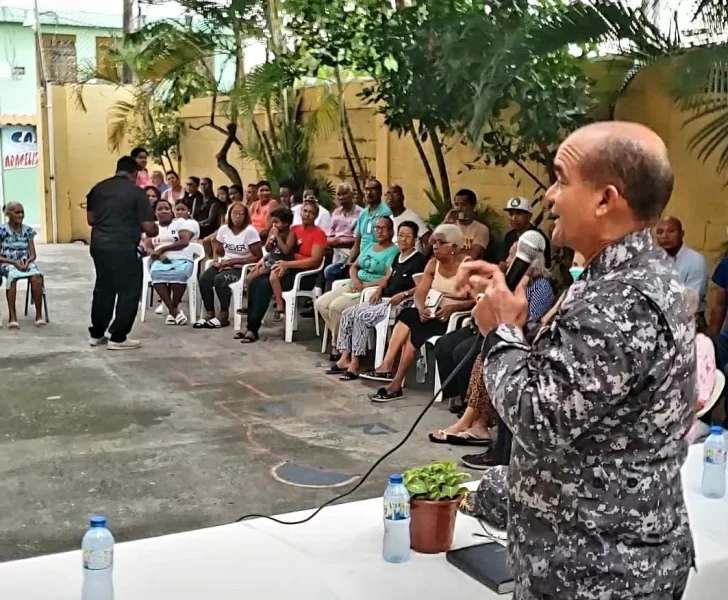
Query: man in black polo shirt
[[117, 211], [519, 213]]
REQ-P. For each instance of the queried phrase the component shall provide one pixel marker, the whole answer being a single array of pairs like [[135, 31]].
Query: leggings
[[355, 324], [213, 281]]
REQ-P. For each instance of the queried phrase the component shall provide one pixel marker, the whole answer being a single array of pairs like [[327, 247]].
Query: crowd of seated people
[[379, 244]]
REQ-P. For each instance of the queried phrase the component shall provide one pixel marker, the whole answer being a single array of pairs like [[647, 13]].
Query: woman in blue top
[[369, 271], [17, 261]]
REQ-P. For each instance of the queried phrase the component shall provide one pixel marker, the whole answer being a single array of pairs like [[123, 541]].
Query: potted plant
[[436, 491]]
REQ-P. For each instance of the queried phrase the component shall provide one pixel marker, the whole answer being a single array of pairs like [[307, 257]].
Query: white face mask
[[576, 272]]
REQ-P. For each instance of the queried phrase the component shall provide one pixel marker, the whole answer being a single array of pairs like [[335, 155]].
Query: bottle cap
[[716, 430], [98, 521], [395, 478]]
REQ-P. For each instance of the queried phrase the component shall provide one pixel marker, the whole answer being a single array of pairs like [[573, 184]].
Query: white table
[[337, 555]]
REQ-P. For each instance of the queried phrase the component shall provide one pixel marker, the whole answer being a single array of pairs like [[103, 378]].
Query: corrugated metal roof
[[17, 119], [69, 18]]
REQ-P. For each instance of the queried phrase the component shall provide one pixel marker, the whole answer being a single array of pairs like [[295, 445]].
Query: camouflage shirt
[[599, 405]]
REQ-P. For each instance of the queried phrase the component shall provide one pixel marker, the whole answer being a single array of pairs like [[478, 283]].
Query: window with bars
[[59, 54]]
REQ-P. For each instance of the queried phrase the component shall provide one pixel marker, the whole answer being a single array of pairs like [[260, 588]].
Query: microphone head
[[531, 245]]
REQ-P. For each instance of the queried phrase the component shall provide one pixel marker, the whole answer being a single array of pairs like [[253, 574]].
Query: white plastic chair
[[457, 319], [198, 253], [715, 394], [335, 286], [291, 300], [238, 291]]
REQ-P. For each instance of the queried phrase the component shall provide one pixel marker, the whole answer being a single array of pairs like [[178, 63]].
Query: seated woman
[[397, 286], [311, 243], [280, 246], [260, 209], [17, 261], [370, 270], [435, 300], [705, 356], [473, 428], [236, 244], [216, 217], [171, 258]]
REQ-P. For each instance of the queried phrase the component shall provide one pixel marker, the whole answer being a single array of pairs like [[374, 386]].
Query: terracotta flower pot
[[432, 527]]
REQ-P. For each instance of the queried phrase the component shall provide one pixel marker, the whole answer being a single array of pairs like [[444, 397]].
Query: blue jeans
[[335, 272]]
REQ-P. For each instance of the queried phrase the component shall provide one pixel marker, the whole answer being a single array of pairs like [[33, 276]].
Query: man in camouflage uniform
[[600, 402]]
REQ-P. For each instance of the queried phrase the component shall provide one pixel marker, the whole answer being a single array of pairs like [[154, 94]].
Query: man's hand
[[376, 296], [496, 305]]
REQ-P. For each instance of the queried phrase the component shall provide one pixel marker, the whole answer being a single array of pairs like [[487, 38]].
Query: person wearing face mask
[[476, 235], [519, 214]]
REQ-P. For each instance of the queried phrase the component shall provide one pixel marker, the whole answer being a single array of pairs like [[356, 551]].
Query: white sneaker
[[94, 342], [129, 344], [159, 310]]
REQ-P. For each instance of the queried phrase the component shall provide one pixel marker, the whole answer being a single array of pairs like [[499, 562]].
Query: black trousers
[[450, 350], [212, 281], [260, 294], [118, 286]]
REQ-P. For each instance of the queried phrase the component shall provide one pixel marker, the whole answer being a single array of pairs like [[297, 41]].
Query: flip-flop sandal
[[249, 338], [468, 439], [181, 319], [13, 325], [170, 320], [200, 324], [334, 358], [348, 376], [376, 376], [440, 440], [383, 395], [336, 370]]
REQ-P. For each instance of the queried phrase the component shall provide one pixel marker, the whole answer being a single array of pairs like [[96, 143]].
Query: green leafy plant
[[436, 481]]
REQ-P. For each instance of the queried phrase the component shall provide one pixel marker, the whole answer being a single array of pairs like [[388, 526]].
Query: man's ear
[[609, 200]]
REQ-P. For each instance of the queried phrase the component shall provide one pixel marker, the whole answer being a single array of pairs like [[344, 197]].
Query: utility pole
[[128, 28]]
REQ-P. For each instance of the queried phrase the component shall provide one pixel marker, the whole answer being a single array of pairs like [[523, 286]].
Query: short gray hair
[[452, 234], [12, 204]]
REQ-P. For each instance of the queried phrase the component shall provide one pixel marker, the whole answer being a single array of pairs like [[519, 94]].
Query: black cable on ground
[[475, 347]]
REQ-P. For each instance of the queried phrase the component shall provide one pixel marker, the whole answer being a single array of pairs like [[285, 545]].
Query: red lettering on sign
[[24, 160]]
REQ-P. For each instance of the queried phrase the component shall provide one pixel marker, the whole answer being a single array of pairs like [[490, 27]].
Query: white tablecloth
[[337, 555]]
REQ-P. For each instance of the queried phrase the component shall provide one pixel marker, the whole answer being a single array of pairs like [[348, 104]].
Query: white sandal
[[13, 325], [181, 319], [170, 320]]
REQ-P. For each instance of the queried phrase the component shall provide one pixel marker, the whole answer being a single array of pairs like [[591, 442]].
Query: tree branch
[[423, 157], [441, 164]]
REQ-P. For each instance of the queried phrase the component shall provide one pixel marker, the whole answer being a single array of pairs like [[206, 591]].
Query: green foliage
[[436, 481], [161, 139], [283, 148]]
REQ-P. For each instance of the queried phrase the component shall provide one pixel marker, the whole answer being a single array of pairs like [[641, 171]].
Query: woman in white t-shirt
[[237, 243], [172, 259]]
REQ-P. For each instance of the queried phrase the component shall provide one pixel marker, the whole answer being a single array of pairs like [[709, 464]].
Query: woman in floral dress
[[17, 261]]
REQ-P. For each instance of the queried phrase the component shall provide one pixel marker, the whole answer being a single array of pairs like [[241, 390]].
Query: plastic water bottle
[[421, 369], [98, 561], [396, 521], [714, 460]]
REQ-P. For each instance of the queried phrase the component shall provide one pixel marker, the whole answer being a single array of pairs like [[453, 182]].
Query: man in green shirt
[[375, 209]]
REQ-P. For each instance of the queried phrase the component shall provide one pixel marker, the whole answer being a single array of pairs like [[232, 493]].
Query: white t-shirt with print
[[323, 220], [410, 215], [237, 246], [169, 234]]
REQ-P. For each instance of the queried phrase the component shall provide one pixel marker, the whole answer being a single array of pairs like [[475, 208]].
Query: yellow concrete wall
[[83, 157]]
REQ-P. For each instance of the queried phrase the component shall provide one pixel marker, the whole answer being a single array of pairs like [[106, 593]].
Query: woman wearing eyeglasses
[[369, 271], [436, 299]]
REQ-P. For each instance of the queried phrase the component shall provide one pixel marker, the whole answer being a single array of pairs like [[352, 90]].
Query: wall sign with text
[[20, 147]]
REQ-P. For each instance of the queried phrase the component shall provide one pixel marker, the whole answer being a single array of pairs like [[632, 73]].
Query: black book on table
[[485, 563]]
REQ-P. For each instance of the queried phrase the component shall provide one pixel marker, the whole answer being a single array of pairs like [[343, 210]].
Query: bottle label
[[396, 511], [715, 456], [98, 560]]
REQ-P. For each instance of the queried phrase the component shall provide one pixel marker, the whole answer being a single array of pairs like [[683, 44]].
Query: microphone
[[531, 245]]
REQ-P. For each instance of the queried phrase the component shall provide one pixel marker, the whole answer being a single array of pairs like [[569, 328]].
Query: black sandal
[[348, 376], [376, 376], [335, 370], [249, 338], [383, 395]]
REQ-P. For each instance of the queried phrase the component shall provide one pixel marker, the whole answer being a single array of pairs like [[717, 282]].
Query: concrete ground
[[181, 434]]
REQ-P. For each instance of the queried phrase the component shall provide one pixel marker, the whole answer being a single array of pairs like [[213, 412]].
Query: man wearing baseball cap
[[519, 212]]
